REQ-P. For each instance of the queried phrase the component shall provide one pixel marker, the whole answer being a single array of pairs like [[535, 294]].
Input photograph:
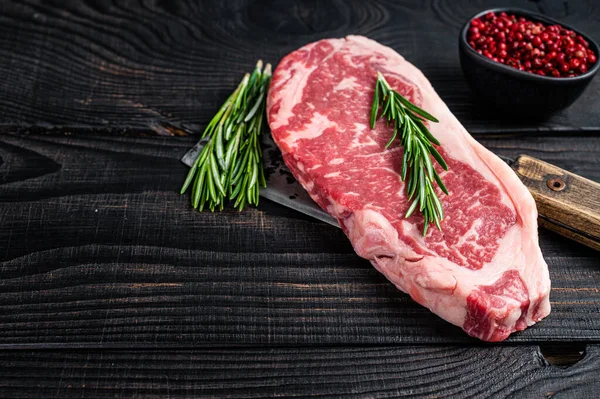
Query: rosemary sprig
[[230, 164], [418, 142]]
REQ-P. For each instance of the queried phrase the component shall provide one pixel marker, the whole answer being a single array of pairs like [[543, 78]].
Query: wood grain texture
[[99, 255], [368, 372], [135, 63], [568, 204], [98, 249]]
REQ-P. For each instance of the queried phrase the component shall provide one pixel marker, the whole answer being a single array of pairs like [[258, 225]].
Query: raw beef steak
[[484, 271]]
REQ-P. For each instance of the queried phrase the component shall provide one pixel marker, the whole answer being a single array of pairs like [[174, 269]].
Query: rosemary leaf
[[440, 183], [438, 157], [412, 208], [190, 176], [389, 143], [418, 171], [416, 109], [196, 193], [230, 164], [426, 131], [252, 111], [215, 175], [375, 107]]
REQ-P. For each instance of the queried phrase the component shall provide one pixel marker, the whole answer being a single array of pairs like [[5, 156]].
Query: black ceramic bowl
[[520, 91]]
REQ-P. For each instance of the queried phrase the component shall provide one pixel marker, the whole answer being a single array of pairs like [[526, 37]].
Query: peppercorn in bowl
[[525, 61]]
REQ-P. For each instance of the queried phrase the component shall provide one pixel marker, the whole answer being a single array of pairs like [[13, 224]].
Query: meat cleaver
[[567, 204]]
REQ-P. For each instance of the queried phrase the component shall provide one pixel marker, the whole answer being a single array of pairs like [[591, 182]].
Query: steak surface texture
[[484, 271]]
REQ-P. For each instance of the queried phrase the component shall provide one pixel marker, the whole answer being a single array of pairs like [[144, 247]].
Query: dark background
[[110, 64], [111, 285]]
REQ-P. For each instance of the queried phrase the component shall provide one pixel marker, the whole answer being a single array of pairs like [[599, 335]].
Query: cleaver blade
[[282, 187]]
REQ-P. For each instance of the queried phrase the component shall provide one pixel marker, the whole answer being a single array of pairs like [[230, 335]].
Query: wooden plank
[[115, 64], [97, 248], [411, 372], [567, 204]]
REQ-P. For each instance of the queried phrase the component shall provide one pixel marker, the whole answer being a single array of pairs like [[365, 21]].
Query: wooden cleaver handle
[[567, 203]]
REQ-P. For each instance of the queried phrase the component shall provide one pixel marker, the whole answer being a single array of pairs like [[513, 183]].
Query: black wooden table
[[111, 285]]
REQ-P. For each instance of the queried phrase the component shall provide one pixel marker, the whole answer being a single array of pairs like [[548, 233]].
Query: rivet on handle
[[556, 184]]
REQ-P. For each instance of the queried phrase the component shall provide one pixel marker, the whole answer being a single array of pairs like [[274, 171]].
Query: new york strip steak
[[484, 271]]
